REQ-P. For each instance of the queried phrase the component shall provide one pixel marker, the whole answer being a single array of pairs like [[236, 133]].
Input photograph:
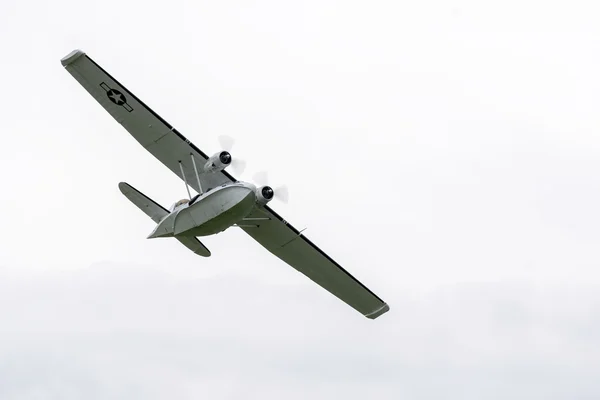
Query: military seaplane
[[221, 200]]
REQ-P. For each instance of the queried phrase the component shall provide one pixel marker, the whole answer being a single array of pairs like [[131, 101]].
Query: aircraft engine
[[218, 162], [264, 194]]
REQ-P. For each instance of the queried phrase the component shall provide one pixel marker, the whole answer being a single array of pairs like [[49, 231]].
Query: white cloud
[[114, 331]]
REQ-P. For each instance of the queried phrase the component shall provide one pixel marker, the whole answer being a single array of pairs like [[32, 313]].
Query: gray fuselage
[[211, 212]]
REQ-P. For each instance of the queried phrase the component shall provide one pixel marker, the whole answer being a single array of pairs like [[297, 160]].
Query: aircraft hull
[[215, 213], [212, 213]]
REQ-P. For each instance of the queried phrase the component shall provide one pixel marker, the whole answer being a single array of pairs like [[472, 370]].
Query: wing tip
[[124, 187], [71, 57], [381, 310]]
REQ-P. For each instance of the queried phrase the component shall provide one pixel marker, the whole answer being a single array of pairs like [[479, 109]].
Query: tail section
[[152, 209], [156, 212]]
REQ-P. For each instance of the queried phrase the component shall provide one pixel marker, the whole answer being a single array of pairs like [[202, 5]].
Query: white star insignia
[[117, 97]]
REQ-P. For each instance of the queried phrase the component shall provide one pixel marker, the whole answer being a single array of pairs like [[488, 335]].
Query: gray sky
[[445, 153]]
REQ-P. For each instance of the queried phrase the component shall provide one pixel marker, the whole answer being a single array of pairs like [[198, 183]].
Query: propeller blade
[[282, 194], [238, 166], [261, 178], [226, 142]]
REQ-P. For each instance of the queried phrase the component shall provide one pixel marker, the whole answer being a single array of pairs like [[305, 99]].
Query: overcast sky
[[446, 153]]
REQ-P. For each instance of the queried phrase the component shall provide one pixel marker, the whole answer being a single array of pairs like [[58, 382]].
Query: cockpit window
[[177, 204], [194, 199]]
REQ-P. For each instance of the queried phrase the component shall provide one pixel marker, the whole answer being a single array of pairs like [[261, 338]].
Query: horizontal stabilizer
[[194, 245], [152, 209], [156, 212]]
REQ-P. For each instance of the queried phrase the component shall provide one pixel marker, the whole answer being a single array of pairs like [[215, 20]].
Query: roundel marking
[[116, 97]]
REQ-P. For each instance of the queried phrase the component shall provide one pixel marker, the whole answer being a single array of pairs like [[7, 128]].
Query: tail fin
[[156, 212]]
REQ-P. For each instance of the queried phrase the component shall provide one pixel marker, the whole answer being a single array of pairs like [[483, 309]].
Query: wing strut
[[185, 180], [197, 176]]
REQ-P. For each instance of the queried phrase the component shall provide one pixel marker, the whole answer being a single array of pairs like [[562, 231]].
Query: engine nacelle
[[218, 162], [264, 194]]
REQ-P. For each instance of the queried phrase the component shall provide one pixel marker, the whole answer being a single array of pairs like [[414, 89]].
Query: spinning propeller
[[261, 178], [280, 193], [237, 165]]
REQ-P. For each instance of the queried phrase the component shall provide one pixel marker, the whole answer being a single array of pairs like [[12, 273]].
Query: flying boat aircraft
[[221, 200]]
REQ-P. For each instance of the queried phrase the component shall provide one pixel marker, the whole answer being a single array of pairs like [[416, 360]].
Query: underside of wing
[[287, 243], [154, 133]]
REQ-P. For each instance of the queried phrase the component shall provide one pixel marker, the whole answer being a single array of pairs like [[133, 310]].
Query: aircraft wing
[[154, 133], [283, 240]]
